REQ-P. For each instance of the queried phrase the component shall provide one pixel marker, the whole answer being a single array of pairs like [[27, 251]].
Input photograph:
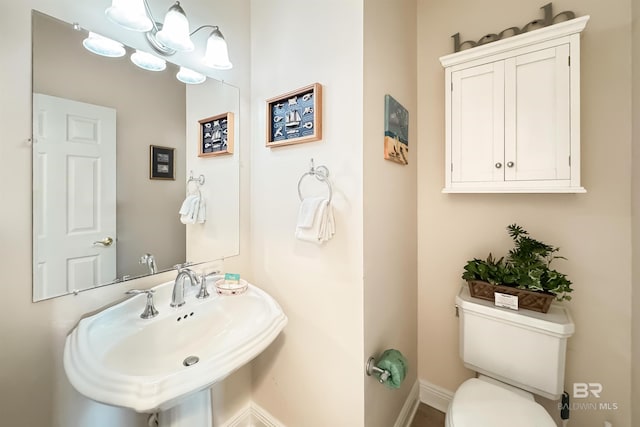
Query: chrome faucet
[[150, 261], [177, 296]]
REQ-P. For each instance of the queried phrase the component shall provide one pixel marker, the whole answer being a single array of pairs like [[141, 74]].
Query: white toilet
[[516, 354]]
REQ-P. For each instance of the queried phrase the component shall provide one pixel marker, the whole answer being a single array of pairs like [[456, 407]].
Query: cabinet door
[[477, 123], [537, 121]]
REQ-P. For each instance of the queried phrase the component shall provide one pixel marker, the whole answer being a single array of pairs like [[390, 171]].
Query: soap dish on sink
[[231, 287]]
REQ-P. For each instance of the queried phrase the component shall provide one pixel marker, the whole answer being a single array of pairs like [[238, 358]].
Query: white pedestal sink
[[117, 358], [193, 410]]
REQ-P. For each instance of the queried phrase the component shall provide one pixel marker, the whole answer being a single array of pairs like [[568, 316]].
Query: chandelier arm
[[213, 27], [153, 21]]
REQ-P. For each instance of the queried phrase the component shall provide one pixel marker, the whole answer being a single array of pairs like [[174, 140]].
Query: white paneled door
[[74, 187]]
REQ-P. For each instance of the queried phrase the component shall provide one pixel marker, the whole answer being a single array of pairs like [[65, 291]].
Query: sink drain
[[191, 360]]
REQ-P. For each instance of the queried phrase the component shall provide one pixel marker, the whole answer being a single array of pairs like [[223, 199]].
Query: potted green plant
[[525, 271]]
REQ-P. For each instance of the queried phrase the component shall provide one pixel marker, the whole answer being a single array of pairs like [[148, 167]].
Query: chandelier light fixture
[[186, 75], [148, 61], [103, 46], [165, 39], [173, 34]]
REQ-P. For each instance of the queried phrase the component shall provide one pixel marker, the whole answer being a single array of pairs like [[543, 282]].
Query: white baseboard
[[253, 415], [241, 419], [409, 408], [435, 396], [262, 418]]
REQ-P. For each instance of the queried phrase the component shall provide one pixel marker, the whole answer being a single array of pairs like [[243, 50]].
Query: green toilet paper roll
[[394, 362]]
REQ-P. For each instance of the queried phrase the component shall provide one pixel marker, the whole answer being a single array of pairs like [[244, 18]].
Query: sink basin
[[117, 358]]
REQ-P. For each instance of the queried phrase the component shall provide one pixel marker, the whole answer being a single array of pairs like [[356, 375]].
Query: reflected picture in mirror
[[161, 162], [96, 212]]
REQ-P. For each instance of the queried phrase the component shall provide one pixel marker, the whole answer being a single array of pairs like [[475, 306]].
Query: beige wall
[[335, 320], [635, 209], [312, 375], [593, 230], [390, 198], [32, 335]]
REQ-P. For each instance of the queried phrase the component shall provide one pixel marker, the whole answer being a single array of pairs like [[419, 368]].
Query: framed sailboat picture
[[396, 131], [216, 135], [295, 117]]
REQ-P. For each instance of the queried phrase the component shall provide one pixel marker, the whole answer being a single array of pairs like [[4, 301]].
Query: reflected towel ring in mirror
[[197, 183], [193, 189], [321, 173], [199, 179]]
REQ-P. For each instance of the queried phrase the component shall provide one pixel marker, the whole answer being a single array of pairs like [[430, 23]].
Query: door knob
[[107, 241], [498, 165], [510, 164]]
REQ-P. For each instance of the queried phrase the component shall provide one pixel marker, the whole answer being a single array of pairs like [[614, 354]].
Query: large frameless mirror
[[109, 166]]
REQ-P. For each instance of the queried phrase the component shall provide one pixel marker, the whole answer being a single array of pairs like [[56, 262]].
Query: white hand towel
[[186, 208], [322, 227], [311, 233], [202, 212], [193, 213], [328, 226], [308, 211], [189, 209]]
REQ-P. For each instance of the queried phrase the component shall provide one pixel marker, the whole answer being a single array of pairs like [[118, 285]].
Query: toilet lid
[[478, 403]]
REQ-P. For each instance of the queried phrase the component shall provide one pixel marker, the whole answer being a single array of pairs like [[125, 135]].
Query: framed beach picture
[[396, 131], [216, 135], [295, 117], [161, 162]]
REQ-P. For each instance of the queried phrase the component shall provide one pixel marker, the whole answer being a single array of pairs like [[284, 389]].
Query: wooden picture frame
[[295, 117], [216, 135], [162, 162]]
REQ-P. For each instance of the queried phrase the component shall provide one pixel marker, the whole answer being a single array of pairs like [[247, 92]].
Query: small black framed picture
[[161, 162]]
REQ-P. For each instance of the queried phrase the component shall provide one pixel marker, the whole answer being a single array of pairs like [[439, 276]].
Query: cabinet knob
[[510, 164], [498, 165]]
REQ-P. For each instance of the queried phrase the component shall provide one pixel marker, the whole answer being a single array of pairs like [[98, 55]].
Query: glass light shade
[[148, 61], [130, 14], [103, 46], [175, 30], [188, 76], [217, 53]]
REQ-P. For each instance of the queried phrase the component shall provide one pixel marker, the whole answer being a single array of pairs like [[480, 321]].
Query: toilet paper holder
[[371, 368]]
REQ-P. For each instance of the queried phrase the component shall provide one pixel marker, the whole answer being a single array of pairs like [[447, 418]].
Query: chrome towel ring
[[199, 179], [321, 173], [198, 182]]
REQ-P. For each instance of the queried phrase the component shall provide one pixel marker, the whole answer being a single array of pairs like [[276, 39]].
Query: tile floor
[[426, 416]]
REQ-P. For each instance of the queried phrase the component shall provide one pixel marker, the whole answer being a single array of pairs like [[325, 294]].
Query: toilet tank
[[523, 348]]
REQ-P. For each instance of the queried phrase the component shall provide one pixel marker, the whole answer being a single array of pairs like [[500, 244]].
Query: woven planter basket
[[536, 301]]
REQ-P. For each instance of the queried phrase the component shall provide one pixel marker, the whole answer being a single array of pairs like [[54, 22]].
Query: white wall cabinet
[[513, 114]]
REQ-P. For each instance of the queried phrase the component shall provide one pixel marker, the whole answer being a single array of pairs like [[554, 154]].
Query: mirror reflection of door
[[75, 188]]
